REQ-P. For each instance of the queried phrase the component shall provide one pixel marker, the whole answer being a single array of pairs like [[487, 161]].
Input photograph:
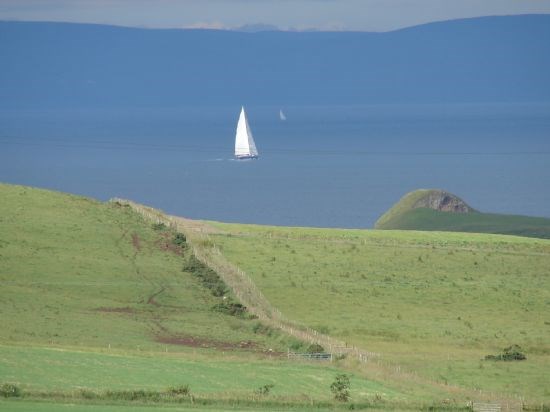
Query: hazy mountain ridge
[[80, 65]]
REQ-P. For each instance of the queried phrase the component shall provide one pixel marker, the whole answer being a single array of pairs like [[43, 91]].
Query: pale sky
[[364, 15]]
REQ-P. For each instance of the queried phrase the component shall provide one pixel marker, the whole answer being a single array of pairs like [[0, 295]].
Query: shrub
[[132, 395], [296, 345], [231, 308], [340, 388], [511, 353], [179, 240], [216, 285], [10, 390], [182, 390], [87, 394], [207, 276], [315, 348], [159, 226], [264, 390], [260, 328]]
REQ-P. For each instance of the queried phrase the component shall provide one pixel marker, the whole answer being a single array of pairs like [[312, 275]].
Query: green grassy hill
[[81, 273], [433, 303], [410, 214], [94, 298]]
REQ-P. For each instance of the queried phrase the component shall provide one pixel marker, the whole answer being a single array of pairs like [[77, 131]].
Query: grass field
[[94, 297], [26, 406], [34, 406], [435, 303], [30, 406], [59, 369]]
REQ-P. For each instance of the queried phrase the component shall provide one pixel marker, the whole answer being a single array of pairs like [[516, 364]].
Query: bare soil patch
[[136, 241], [166, 244], [152, 301], [196, 342], [115, 310]]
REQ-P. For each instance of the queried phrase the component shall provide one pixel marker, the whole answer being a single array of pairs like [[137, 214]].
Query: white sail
[[282, 115], [244, 142]]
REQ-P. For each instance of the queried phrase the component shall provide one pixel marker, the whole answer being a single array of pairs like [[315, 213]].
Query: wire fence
[[485, 407], [241, 285], [320, 356]]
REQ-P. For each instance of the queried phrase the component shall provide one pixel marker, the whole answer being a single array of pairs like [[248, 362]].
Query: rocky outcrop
[[443, 201], [435, 199]]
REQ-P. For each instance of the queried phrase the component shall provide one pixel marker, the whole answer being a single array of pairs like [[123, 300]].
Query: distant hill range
[[431, 209], [497, 59]]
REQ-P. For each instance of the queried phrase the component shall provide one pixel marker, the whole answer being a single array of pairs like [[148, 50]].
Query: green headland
[[437, 210]]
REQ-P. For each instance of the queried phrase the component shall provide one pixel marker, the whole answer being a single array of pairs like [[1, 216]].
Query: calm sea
[[324, 166]]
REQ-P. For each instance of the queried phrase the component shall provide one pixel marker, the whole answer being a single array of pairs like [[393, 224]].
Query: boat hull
[[245, 157]]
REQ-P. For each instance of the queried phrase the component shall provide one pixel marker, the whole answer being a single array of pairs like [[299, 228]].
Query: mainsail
[[244, 142], [282, 115]]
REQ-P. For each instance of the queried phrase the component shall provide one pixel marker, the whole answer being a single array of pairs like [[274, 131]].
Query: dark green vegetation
[[404, 215], [432, 303], [340, 388], [511, 353], [10, 390]]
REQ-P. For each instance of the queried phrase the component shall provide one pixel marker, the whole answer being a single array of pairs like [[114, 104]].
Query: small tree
[[340, 387], [264, 390], [179, 240]]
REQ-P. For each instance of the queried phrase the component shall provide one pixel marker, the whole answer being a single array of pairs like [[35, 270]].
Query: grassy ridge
[[433, 302], [428, 219], [81, 273]]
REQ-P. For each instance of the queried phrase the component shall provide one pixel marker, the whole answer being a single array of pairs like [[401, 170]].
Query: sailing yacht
[[245, 148], [282, 115]]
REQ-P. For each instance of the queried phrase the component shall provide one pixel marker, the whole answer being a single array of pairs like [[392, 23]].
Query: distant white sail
[[282, 115], [245, 148]]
